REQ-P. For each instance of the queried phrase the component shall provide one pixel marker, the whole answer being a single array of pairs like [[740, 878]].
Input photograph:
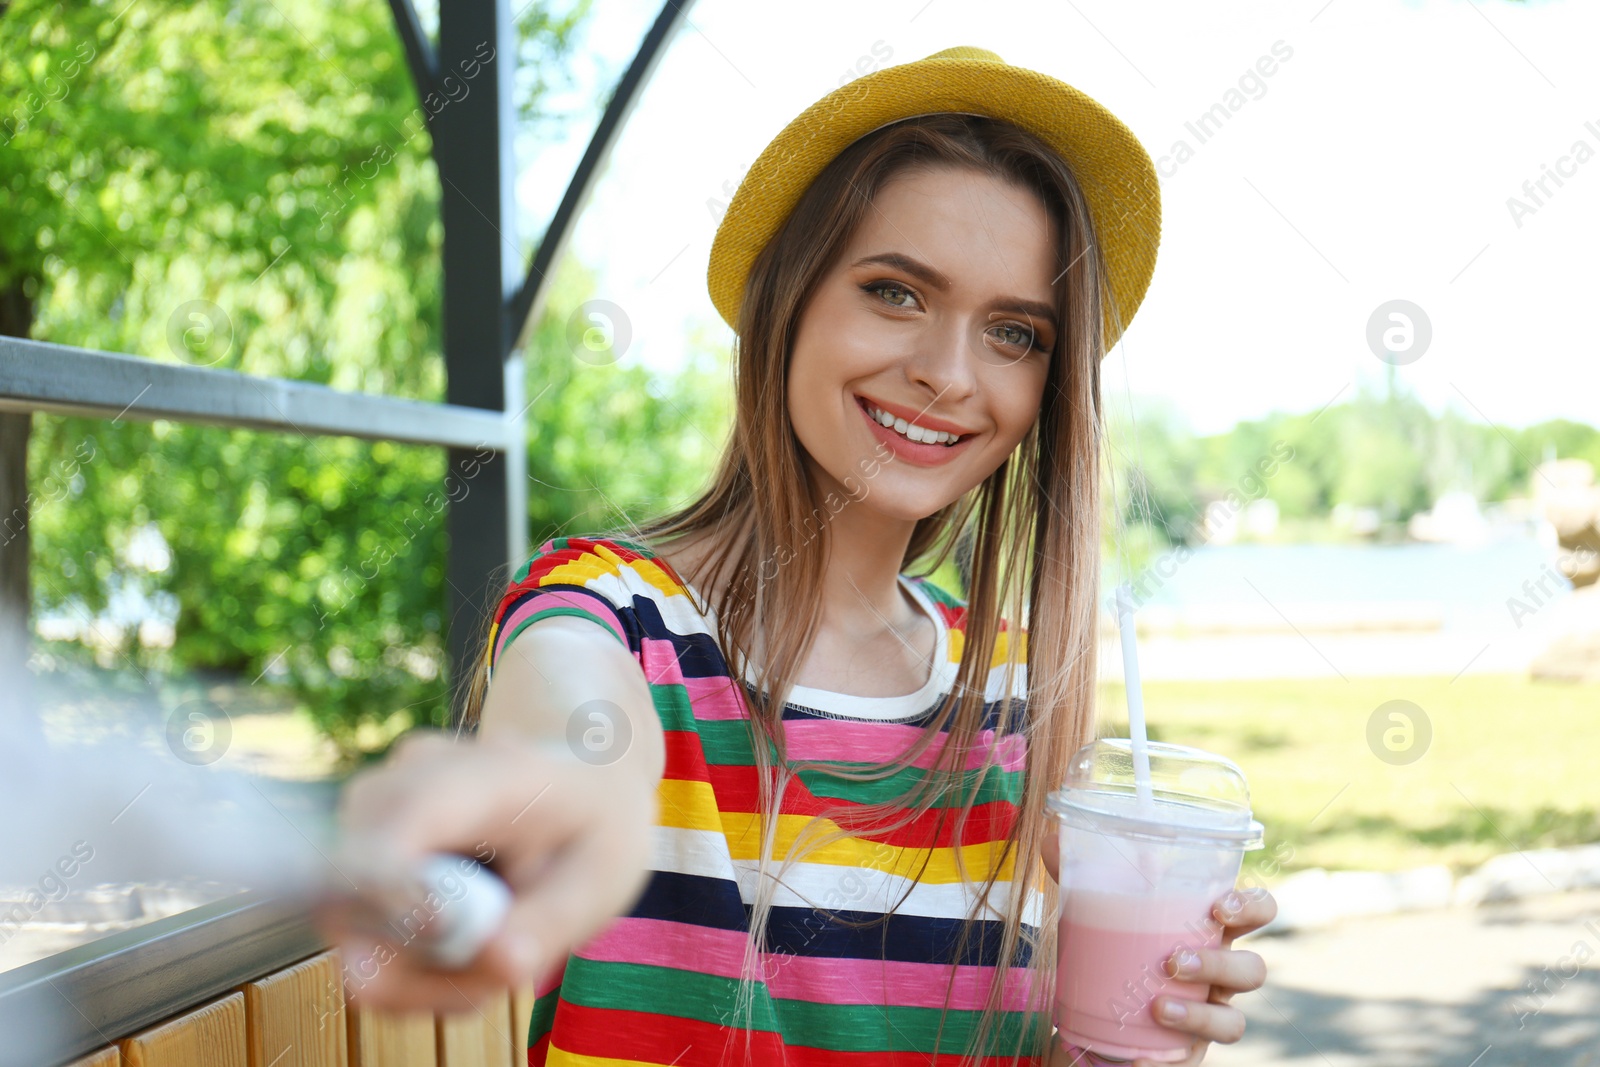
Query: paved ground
[[1431, 989]]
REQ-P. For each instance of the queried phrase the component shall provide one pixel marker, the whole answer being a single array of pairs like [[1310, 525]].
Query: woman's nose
[[947, 360]]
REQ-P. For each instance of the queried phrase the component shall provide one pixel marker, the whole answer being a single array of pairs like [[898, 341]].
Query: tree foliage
[[248, 185], [1382, 449]]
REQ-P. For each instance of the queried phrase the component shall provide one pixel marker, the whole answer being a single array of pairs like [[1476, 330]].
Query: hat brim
[[1116, 174]]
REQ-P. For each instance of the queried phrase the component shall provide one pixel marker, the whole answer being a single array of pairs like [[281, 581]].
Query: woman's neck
[[862, 598]]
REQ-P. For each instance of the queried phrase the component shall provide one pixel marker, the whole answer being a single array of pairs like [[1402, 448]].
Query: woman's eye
[[897, 295], [1024, 338], [881, 288]]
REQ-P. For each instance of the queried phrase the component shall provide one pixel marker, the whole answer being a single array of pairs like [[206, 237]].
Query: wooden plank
[[521, 1019], [295, 1018], [212, 1036], [477, 1038], [383, 1039], [106, 1057]]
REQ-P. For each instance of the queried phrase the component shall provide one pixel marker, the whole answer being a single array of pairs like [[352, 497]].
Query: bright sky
[[1374, 164]]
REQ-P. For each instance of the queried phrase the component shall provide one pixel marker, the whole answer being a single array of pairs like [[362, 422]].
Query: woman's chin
[[902, 507]]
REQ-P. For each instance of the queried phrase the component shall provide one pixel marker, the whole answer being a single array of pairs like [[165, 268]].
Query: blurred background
[[1353, 431]]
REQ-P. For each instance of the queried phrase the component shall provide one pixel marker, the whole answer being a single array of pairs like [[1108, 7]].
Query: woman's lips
[[913, 452]]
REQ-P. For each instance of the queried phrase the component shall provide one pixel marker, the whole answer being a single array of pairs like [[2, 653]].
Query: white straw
[[1130, 674]]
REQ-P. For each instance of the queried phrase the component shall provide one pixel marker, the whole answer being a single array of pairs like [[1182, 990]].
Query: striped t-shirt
[[658, 985]]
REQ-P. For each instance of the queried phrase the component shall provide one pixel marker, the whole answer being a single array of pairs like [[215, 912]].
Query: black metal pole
[[472, 128]]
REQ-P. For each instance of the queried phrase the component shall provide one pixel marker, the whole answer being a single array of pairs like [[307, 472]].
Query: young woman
[[764, 797]]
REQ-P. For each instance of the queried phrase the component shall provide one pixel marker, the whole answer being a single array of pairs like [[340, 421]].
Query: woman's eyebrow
[[932, 277]]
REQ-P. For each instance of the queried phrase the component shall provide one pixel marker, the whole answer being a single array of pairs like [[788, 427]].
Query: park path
[[1431, 989]]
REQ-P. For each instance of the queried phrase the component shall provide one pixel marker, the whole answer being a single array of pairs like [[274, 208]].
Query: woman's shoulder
[[588, 560], [604, 546], [625, 571]]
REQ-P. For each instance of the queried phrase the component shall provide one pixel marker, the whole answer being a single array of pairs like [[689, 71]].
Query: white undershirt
[[941, 679]]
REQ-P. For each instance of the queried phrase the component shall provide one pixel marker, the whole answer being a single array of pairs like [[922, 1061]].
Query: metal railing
[[40, 376]]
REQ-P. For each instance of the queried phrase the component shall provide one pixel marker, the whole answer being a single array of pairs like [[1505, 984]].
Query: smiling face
[[940, 312]]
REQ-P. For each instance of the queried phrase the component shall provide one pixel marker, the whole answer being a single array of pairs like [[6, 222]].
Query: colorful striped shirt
[[658, 985]]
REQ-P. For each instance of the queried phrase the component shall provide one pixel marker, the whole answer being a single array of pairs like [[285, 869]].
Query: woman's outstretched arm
[[558, 788]]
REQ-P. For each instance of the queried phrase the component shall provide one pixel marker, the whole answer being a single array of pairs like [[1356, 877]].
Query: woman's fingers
[[570, 896], [1213, 1022], [399, 976], [1236, 970], [576, 895], [1226, 970], [1244, 910], [571, 841], [1050, 850]]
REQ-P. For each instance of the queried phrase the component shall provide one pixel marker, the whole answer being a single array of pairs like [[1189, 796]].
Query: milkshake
[[1143, 859]]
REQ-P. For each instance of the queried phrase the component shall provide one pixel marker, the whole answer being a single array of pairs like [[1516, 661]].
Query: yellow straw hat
[[1115, 172]]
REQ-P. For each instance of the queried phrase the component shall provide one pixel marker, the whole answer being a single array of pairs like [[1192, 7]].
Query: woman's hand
[[571, 841], [1229, 970]]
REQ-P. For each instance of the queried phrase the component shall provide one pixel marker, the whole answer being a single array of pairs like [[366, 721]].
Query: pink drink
[[1111, 965], [1139, 876]]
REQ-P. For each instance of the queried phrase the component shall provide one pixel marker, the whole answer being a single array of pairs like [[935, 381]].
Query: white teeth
[[913, 432]]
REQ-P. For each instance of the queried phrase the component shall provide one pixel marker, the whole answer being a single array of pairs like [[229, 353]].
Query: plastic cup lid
[[1196, 797]]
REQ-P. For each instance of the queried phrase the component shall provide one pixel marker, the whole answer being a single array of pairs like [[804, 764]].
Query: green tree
[[1380, 449], [248, 185], [1381, 443], [1153, 471], [610, 439]]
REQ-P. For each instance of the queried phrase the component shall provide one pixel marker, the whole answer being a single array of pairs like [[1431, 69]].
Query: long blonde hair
[[1034, 542]]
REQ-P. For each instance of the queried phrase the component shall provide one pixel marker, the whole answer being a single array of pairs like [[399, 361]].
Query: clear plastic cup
[[1138, 880]]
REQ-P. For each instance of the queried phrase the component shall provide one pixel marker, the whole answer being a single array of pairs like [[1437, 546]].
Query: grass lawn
[[1511, 764]]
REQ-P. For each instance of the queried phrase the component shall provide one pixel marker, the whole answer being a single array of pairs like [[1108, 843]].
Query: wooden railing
[[301, 1016]]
